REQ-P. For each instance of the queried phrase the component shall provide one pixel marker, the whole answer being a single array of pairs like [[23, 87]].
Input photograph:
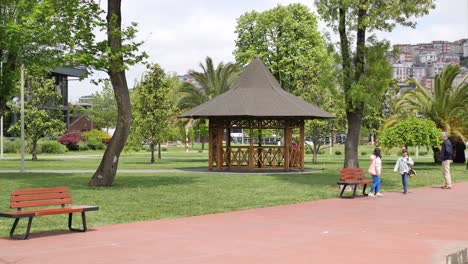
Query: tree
[[42, 113], [361, 17], [153, 108], [447, 107], [208, 83], [410, 132], [288, 41], [42, 34], [103, 111], [116, 56]]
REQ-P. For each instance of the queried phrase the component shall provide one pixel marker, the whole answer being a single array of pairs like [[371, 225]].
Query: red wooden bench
[[41, 202], [353, 177]]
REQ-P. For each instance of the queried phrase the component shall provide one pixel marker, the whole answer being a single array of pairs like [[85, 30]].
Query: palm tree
[[209, 83], [447, 107]]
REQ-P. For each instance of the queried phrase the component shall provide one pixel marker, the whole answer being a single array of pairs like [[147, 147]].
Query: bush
[[95, 134], [321, 152], [50, 146], [106, 140], [95, 144], [363, 153], [163, 149], [307, 151], [338, 152], [412, 153], [82, 145], [423, 153], [11, 146], [71, 140]]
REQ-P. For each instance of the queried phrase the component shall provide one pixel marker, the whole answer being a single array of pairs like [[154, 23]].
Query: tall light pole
[[22, 117]]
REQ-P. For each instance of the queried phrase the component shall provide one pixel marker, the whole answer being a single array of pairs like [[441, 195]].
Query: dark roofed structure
[[257, 94], [256, 101]]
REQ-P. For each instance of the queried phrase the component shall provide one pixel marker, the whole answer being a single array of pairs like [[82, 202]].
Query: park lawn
[[151, 196]]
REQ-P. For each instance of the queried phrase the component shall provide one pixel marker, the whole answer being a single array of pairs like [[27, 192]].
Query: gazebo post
[[302, 146], [251, 159], [287, 142], [228, 147], [219, 147], [210, 146], [259, 149]]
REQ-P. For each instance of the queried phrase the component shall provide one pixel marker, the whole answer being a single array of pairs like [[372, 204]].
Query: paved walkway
[[421, 227]]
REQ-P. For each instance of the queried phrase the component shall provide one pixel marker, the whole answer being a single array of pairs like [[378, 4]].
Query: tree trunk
[[105, 173], [152, 152], [34, 150], [159, 150], [354, 111]]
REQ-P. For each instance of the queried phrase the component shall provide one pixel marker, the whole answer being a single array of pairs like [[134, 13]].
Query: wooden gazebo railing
[[222, 155]]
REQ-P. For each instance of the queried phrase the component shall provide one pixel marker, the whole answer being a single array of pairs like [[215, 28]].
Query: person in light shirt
[[403, 166]]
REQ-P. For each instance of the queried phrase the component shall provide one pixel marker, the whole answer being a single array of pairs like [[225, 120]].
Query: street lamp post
[[22, 118]]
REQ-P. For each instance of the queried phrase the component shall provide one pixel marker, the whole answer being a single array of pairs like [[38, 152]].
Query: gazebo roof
[[257, 94]]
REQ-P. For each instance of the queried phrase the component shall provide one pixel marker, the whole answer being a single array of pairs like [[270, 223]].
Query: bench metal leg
[[364, 190], [354, 190], [13, 228], [342, 190], [83, 219]]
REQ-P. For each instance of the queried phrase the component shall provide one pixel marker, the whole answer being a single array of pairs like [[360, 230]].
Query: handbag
[[412, 173]]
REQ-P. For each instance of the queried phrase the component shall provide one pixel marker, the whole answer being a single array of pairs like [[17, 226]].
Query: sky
[[179, 35]]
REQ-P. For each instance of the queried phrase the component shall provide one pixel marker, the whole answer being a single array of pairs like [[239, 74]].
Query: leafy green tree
[[410, 132], [103, 111], [379, 76], [153, 108], [447, 107], [353, 19], [42, 34], [42, 113], [288, 41]]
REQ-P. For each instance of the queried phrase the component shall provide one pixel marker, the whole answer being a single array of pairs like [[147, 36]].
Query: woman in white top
[[403, 166]]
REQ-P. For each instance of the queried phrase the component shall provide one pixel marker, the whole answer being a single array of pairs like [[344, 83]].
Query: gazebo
[[253, 103]]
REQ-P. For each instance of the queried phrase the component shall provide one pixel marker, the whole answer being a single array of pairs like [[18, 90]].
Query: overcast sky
[[178, 35]]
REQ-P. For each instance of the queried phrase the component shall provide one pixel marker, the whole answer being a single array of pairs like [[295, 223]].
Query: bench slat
[[42, 196], [39, 190], [23, 204]]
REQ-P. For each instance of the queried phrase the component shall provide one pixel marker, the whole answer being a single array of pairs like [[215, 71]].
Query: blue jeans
[[404, 181], [376, 185]]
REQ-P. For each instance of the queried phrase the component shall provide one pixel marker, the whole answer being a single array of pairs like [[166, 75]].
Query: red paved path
[[421, 227]]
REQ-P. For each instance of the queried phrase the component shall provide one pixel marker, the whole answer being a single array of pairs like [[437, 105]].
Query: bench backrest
[[40, 197], [348, 174]]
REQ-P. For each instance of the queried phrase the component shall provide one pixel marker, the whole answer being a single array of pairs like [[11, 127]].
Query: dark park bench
[[41, 202], [352, 177]]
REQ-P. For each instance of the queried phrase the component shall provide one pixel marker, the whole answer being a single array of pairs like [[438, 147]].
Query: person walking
[[446, 157], [375, 170], [403, 166]]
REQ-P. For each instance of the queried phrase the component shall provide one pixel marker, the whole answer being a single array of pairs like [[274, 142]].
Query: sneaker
[[371, 195], [405, 192], [379, 194]]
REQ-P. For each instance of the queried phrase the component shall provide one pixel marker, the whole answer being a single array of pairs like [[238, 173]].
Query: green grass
[[139, 197]]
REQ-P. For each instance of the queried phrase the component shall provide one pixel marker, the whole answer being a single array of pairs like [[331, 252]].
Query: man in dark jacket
[[446, 157]]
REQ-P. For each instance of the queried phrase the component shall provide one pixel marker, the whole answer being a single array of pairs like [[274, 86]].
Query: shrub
[[95, 134], [163, 149], [321, 152], [106, 140], [423, 153], [95, 144], [50, 146], [71, 139], [83, 145], [363, 153], [338, 152], [11, 146], [412, 153], [307, 151]]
